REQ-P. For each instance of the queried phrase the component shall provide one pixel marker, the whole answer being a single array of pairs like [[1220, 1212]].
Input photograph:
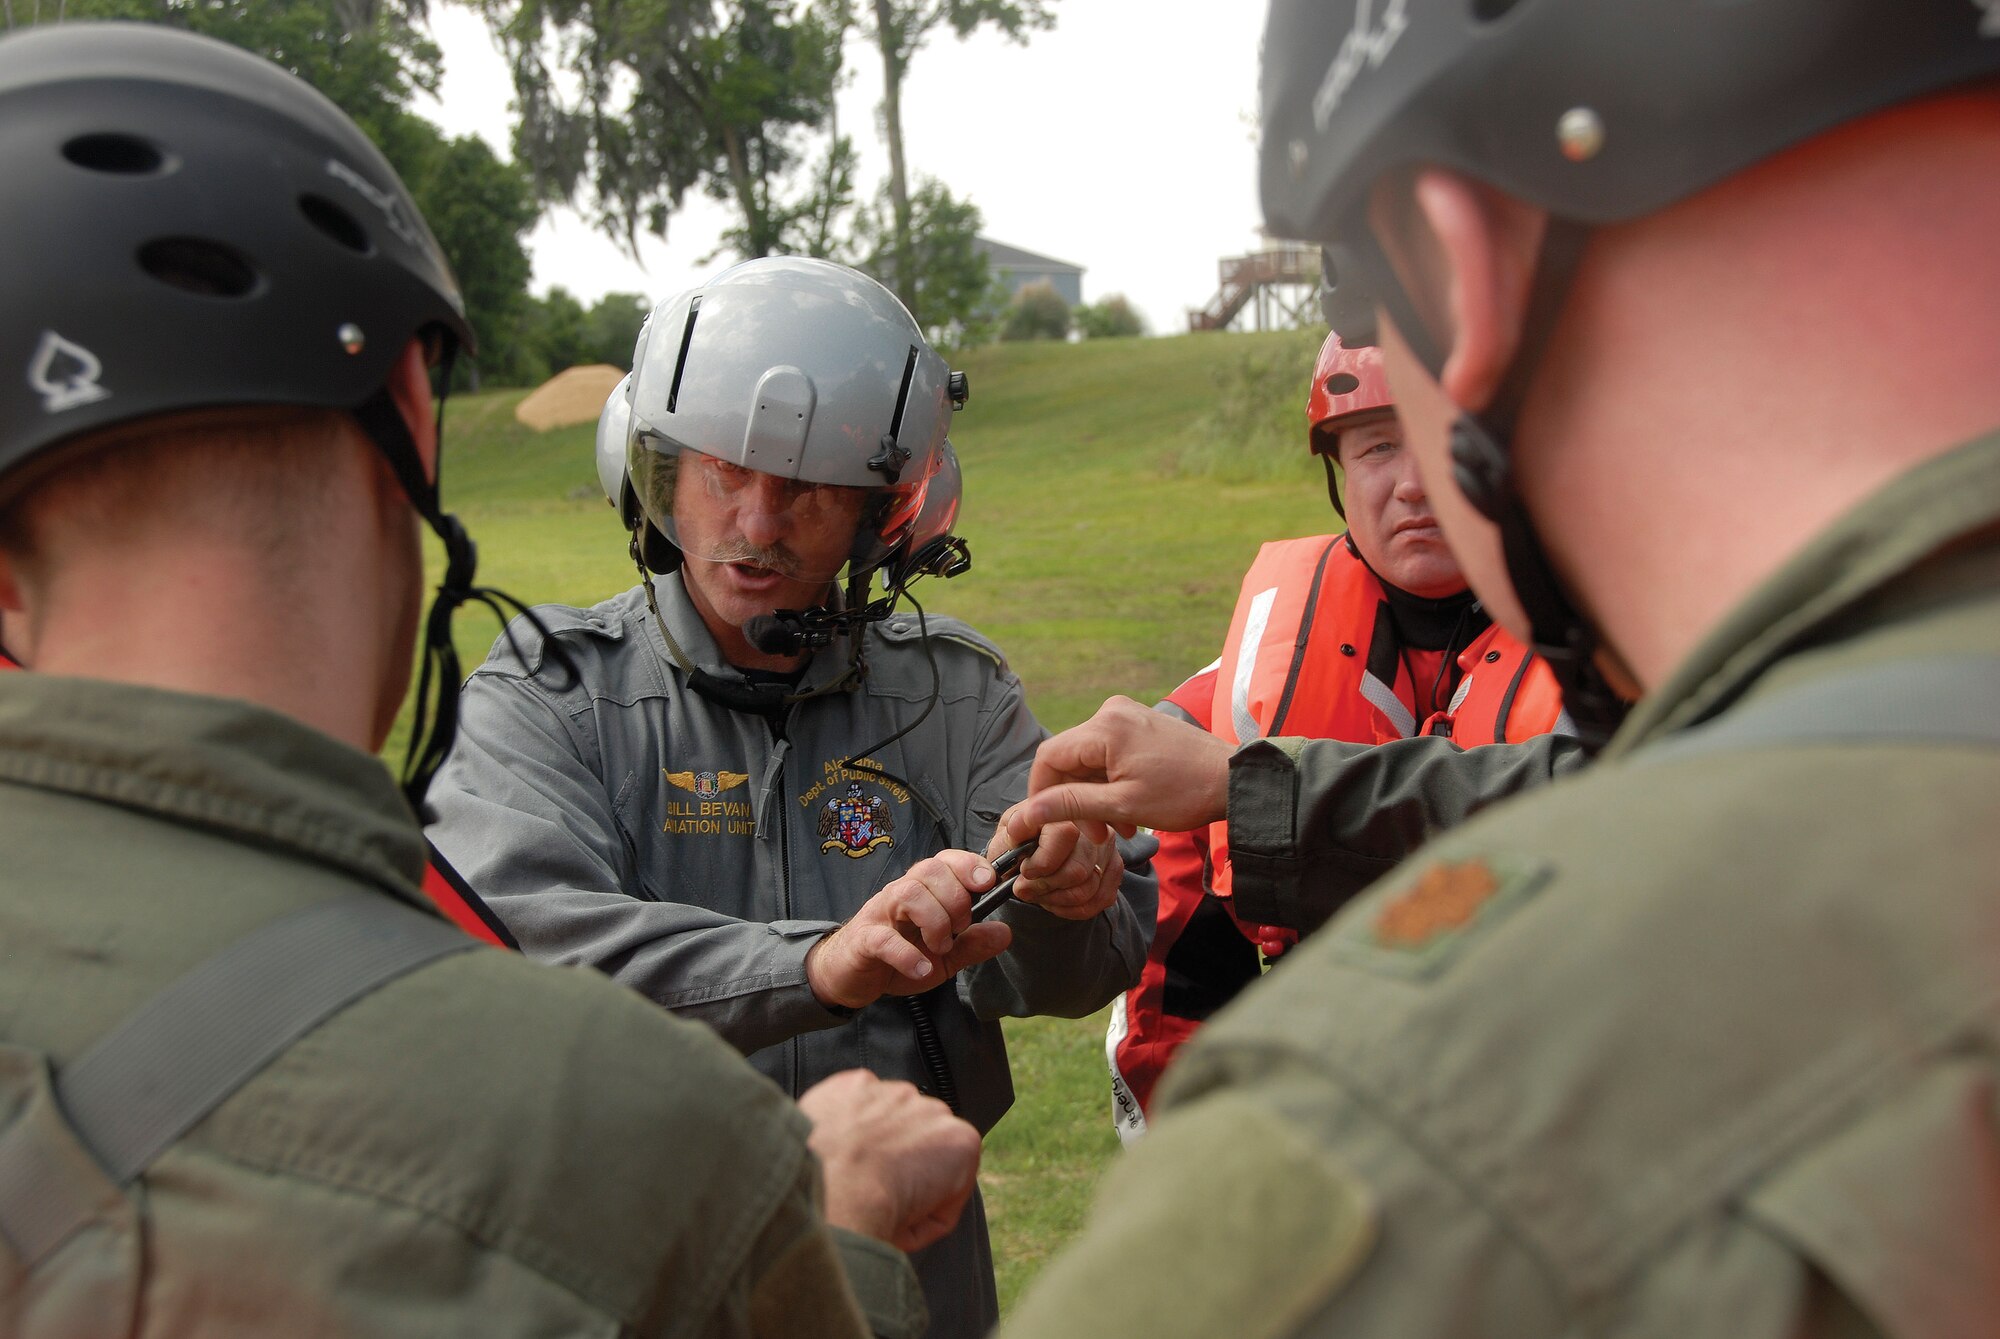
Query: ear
[[410, 388], [1487, 245]]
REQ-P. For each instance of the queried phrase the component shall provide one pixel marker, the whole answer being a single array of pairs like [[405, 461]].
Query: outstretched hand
[[1125, 768], [898, 1166], [1069, 874], [912, 935]]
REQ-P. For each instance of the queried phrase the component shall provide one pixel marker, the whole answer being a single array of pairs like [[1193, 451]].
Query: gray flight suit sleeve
[[1059, 967], [529, 826], [1313, 822]]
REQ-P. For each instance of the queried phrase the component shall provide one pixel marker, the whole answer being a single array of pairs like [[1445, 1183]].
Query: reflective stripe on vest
[[1313, 653]]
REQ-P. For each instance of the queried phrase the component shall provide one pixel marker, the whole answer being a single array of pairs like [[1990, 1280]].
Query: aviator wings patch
[[708, 785]]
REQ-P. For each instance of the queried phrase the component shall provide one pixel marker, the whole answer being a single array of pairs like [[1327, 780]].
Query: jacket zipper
[[784, 836]]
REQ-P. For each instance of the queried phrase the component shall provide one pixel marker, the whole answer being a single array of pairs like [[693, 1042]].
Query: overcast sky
[[1123, 141]]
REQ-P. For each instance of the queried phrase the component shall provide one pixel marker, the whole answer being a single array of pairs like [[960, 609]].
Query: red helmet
[[1345, 382]]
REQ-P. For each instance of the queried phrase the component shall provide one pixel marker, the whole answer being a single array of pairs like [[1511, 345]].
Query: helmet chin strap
[[434, 724], [1483, 468]]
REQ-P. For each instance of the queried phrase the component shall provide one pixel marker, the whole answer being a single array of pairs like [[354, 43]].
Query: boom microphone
[[773, 636]]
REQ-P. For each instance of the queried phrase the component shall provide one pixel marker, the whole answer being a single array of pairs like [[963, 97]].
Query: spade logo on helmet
[[386, 201], [1364, 43], [65, 374]]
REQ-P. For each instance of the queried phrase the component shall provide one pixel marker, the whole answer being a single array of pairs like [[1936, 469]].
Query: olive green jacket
[[482, 1147], [1699, 1045]]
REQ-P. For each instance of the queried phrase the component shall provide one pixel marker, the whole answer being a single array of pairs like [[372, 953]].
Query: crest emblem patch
[[855, 823]]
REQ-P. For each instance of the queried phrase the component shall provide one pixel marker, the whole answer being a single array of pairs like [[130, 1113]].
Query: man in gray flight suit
[[250, 1082], [758, 803], [1691, 314]]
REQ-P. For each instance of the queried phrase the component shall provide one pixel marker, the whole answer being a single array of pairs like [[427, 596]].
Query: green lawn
[[1104, 561]]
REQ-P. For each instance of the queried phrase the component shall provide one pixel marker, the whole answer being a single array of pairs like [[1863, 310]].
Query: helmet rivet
[[350, 337], [1300, 153], [1580, 131]]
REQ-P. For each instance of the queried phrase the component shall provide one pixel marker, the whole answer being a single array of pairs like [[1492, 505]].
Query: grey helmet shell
[[190, 226], [797, 368], [614, 433]]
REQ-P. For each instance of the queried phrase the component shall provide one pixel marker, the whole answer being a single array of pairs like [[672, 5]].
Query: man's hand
[[899, 1166], [1070, 875], [914, 934], [1125, 768]]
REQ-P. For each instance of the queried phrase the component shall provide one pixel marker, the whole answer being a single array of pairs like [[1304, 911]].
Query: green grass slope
[[1107, 549]]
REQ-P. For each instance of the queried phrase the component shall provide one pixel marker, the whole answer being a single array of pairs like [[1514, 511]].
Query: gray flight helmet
[[798, 368], [932, 549], [189, 226], [614, 435]]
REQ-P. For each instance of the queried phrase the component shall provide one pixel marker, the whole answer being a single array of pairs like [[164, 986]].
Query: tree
[[1037, 312], [949, 279], [669, 96], [611, 328], [479, 208], [898, 30], [366, 57], [1110, 319]]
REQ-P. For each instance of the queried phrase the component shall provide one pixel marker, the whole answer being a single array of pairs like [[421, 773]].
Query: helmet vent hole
[[1492, 11], [337, 224], [196, 265], [1342, 383], [118, 155]]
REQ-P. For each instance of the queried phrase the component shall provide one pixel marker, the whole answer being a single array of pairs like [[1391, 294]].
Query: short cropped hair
[[256, 473]]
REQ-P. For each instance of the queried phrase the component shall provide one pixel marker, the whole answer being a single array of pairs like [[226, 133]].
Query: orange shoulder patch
[[1446, 898], [1418, 923]]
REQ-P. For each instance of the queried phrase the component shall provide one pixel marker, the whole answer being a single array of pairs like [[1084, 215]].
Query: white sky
[[1122, 141]]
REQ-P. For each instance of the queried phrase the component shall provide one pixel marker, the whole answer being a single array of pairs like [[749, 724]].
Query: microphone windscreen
[[771, 636]]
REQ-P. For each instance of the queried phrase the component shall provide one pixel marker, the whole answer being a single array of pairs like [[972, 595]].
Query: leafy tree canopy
[[626, 107]]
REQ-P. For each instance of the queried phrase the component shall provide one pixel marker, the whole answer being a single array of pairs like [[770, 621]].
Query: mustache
[[777, 557]]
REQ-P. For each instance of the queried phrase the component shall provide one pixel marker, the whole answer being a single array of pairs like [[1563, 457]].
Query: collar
[[1864, 556], [825, 665], [1423, 624], [213, 763]]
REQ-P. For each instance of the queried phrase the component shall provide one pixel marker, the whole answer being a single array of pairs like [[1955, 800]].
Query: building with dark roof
[[1017, 269]]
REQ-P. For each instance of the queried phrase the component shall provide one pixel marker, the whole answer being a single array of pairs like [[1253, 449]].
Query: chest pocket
[[72, 1143], [860, 830]]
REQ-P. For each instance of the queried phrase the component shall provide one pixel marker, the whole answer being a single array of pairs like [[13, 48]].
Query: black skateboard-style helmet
[[187, 225], [1594, 111], [183, 226]]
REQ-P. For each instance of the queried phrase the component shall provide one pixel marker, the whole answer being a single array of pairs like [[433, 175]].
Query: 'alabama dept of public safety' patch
[[854, 804], [1422, 924]]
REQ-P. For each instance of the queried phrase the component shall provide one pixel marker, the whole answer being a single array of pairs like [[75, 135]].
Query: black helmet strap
[[1483, 467], [434, 723]]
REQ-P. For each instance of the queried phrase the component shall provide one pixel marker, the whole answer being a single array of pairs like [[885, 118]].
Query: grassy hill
[[1115, 492]]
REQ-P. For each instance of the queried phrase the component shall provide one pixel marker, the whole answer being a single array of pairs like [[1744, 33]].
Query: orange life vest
[[1296, 664]]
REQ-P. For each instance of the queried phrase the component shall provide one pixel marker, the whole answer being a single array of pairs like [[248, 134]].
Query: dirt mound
[[573, 395]]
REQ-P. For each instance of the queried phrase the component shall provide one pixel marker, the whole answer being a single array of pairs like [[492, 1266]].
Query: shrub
[[1037, 312], [1112, 318]]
